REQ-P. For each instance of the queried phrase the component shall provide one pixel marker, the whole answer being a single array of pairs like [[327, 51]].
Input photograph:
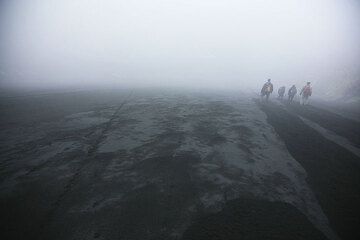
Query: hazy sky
[[200, 43]]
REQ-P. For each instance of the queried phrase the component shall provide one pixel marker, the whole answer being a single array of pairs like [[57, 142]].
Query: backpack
[[268, 88], [307, 91]]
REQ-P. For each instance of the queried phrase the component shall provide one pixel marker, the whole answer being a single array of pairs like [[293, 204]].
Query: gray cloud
[[197, 43]]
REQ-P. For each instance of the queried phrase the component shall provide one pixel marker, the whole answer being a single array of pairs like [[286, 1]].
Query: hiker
[[281, 92], [306, 93], [266, 90], [291, 93]]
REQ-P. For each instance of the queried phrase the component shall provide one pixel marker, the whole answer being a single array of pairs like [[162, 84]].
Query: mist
[[193, 44], [150, 119]]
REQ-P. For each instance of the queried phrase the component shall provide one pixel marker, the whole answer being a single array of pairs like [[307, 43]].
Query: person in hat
[[306, 92]]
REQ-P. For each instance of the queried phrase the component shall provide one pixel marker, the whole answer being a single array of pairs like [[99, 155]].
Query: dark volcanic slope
[[253, 219], [347, 128], [333, 172], [146, 167]]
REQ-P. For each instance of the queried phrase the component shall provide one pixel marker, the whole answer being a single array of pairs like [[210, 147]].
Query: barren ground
[[174, 165]]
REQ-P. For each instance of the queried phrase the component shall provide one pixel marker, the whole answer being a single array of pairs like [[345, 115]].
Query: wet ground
[[175, 165]]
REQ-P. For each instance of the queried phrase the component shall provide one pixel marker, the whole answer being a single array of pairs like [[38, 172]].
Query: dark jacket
[[281, 91], [292, 91]]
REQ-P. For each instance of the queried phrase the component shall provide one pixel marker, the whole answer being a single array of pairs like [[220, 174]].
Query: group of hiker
[[305, 92]]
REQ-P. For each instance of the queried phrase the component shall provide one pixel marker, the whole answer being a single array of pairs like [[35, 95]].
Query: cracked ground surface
[[155, 165]]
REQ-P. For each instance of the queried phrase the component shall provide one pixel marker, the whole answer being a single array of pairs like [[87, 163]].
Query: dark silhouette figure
[[292, 92], [267, 89], [281, 92]]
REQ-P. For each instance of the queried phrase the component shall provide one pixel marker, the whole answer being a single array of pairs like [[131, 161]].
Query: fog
[[179, 43]]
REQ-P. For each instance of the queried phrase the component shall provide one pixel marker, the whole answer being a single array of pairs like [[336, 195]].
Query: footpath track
[[333, 171]]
